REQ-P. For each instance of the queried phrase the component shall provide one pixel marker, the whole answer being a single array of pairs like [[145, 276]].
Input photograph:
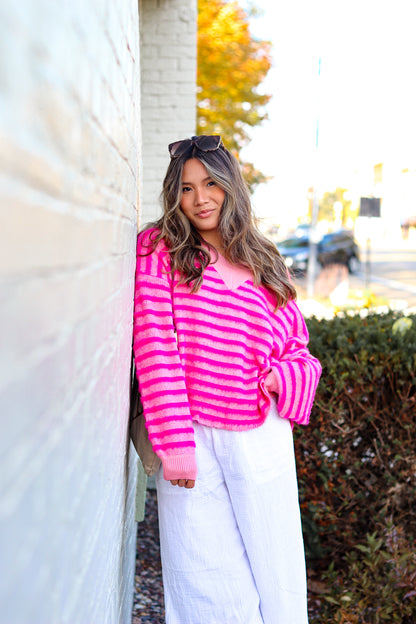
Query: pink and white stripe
[[216, 356]]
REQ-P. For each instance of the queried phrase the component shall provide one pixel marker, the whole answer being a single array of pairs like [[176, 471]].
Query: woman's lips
[[205, 213]]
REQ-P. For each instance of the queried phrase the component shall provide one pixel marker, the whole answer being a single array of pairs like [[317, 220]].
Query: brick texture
[[168, 77], [70, 147], [90, 95]]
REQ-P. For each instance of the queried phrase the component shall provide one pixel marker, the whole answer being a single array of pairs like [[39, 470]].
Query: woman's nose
[[201, 196]]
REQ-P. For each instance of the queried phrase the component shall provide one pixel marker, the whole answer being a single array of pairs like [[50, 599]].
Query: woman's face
[[202, 199]]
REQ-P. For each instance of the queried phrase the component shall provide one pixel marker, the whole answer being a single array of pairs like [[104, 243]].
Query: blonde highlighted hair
[[243, 243]]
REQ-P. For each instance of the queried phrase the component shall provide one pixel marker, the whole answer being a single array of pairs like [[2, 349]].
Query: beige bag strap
[[137, 427]]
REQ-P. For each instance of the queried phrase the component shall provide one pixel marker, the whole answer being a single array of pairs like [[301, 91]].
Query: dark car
[[335, 248]]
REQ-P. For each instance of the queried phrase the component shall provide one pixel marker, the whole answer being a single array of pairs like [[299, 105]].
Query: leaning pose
[[224, 374]]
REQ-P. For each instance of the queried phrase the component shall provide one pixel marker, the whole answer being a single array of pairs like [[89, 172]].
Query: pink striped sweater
[[217, 356]]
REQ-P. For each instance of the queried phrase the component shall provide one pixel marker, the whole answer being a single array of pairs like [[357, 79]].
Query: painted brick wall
[[69, 158], [168, 77]]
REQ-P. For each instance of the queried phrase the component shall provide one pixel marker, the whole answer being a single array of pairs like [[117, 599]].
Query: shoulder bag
[[137, 427]]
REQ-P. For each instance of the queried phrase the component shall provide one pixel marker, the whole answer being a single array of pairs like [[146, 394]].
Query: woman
[[224, 371]]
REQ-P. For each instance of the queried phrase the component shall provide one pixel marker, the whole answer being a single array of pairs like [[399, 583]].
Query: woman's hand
[[187, 483]]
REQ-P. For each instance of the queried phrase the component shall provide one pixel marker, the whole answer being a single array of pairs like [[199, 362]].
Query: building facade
[[90, 96]]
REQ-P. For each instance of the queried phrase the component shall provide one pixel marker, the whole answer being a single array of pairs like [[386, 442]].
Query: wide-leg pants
[[231, 547]]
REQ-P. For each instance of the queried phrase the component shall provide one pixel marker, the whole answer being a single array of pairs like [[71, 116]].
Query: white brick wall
[[73, 138], [168, 76], [69, 154]]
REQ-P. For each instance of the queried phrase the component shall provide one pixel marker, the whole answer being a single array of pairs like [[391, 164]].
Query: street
[[392, 275]]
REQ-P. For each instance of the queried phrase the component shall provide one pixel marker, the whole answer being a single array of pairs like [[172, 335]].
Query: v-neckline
[[232, 275]]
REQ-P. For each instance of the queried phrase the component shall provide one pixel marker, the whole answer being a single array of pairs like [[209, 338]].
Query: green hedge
[[357, 472]]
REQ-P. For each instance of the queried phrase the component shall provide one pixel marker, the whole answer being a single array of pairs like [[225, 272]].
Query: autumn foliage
[[231, 66]]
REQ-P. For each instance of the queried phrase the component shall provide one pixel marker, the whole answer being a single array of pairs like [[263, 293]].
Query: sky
[[363, 100]]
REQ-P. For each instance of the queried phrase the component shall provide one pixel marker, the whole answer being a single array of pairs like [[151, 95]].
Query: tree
[[231, 65]]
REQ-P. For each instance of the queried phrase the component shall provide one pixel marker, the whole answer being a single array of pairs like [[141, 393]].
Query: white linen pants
[[232, 547]]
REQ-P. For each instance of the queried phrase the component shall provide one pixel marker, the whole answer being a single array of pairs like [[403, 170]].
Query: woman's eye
[[186, 189], [211, 183]]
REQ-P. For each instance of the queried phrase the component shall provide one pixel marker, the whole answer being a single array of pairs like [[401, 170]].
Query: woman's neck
[[214, 239]]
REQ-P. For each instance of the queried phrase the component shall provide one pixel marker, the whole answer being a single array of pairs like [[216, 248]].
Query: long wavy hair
[[243, 243]]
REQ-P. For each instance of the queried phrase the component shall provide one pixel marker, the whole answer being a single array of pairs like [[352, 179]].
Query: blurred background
[[341, 126], [342, 70]]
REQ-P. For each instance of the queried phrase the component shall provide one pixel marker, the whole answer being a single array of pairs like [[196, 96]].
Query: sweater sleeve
[[294, 376], [159, 369]]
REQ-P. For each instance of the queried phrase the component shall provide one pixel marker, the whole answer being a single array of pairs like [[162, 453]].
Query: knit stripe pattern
[[217, 356]]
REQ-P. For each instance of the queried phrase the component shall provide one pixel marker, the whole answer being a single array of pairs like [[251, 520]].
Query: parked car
[[335, 248]]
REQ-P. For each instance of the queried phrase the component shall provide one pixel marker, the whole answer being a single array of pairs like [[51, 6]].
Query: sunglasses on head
[[205, 143]]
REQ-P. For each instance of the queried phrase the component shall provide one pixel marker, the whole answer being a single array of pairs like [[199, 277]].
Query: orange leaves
[[231, 66]]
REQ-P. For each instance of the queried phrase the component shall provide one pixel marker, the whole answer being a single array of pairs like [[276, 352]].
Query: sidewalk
[[336, 289]]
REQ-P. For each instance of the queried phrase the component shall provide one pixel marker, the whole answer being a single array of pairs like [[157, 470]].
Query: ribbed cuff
[[179, 467]]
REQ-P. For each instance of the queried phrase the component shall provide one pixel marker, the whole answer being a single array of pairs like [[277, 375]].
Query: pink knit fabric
[[230, 352]]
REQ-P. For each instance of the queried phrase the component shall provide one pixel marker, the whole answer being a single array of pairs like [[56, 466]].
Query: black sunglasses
[[205, 143]]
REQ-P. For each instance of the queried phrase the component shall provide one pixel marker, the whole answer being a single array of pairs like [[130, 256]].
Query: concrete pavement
[[335, 288]]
